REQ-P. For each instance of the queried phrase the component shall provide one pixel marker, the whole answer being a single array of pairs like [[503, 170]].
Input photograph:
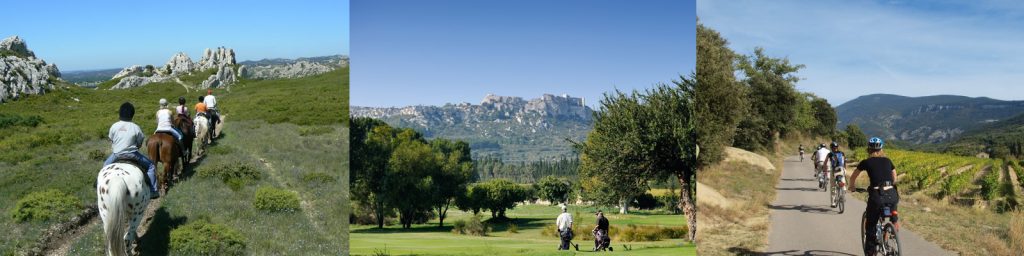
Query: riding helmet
[[835, 144], [181, 100], [163, 102], [875, 143]]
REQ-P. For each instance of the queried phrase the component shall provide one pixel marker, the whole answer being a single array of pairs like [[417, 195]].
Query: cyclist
[[881, 172], [836, 158], [819, 159], [801, 152]]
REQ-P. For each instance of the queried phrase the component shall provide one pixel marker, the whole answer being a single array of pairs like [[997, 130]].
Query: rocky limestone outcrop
[[216, 58], [535, 113], [136, 81], [179, 64], [291, 68], [132, 70], [16, 46], [21, 72], [225, 76]]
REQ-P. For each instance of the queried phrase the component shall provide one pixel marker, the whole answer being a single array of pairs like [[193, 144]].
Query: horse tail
[[114, 227]]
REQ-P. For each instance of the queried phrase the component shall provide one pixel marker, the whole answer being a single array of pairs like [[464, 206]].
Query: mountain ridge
[[926, 119], [511, 128]]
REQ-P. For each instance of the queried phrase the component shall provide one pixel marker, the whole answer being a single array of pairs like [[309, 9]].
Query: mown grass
[[61, 152], [529, 221]]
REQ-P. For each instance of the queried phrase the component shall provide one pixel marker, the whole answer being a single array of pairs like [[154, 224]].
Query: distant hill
[[509, 128], [1000, 139], [922, 120], [86, 77]]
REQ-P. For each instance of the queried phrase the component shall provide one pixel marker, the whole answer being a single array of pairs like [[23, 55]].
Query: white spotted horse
[[122, 194]]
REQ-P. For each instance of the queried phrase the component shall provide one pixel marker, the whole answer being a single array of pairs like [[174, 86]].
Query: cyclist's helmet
[[835, 144], [875, 143], [822, 145]]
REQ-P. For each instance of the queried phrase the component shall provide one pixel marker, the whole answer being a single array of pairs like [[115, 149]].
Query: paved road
[[803, 223]]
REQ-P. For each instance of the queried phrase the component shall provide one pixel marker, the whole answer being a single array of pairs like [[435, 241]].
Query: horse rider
[[126, 138], [164, 123], [211, 110]]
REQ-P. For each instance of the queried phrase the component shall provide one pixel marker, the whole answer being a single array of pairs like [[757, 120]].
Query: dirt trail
[[1014, 180], [803, 223], [182, 84]]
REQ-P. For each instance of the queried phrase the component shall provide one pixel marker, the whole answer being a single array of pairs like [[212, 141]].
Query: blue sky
[[435, 52], [79, 35], [912, 48]]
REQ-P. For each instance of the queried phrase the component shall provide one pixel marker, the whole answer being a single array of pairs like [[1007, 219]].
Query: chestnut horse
[[163, 150]]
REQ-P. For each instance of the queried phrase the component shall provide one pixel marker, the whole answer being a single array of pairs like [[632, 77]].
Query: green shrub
[[235, 175], [276, 200], [317, 177], [472, 227], [634, 233], [204, 238], [97, 155], [10, 120], [45, 205], [990, 183], [314, 130]]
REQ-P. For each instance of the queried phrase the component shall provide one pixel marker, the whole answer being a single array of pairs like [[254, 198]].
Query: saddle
[[127, 159], [132, 160]]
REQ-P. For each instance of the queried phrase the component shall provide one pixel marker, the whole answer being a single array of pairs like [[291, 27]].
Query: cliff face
[[511, 128], [21, 73]]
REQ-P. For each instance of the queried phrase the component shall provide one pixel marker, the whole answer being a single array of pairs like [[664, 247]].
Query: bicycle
[[824, 183], [838, 194], [887, 241]]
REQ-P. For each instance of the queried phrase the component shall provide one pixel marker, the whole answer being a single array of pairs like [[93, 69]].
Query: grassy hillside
[[297, 126]]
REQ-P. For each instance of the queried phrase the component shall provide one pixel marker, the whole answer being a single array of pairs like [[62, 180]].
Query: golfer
[[564, 223], [601, 239]]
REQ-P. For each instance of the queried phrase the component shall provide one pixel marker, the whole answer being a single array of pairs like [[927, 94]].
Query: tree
[[718, 99], [455, 173], [641, 137], [826, 116], [855, 138], [368, 163], [410, 174], [772, 94], [502, 195], [553, 189], [473, 199]]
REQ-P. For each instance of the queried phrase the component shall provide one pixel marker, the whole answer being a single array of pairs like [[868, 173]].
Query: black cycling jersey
[[879, 169]]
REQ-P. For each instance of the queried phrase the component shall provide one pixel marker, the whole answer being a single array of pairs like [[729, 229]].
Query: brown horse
[[163, 150], [184, 124]]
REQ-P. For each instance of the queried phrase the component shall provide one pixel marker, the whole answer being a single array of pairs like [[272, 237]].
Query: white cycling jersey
[[821, 154]]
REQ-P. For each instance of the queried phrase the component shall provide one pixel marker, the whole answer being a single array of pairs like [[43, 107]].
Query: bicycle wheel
[[863, 225], [841, 201], [890, 240], [833, 195]]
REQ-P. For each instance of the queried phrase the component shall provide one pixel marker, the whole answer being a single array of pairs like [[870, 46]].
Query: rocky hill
[[920, 120], [219, 62], [21, 73], [511, 128], [289, 68]]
